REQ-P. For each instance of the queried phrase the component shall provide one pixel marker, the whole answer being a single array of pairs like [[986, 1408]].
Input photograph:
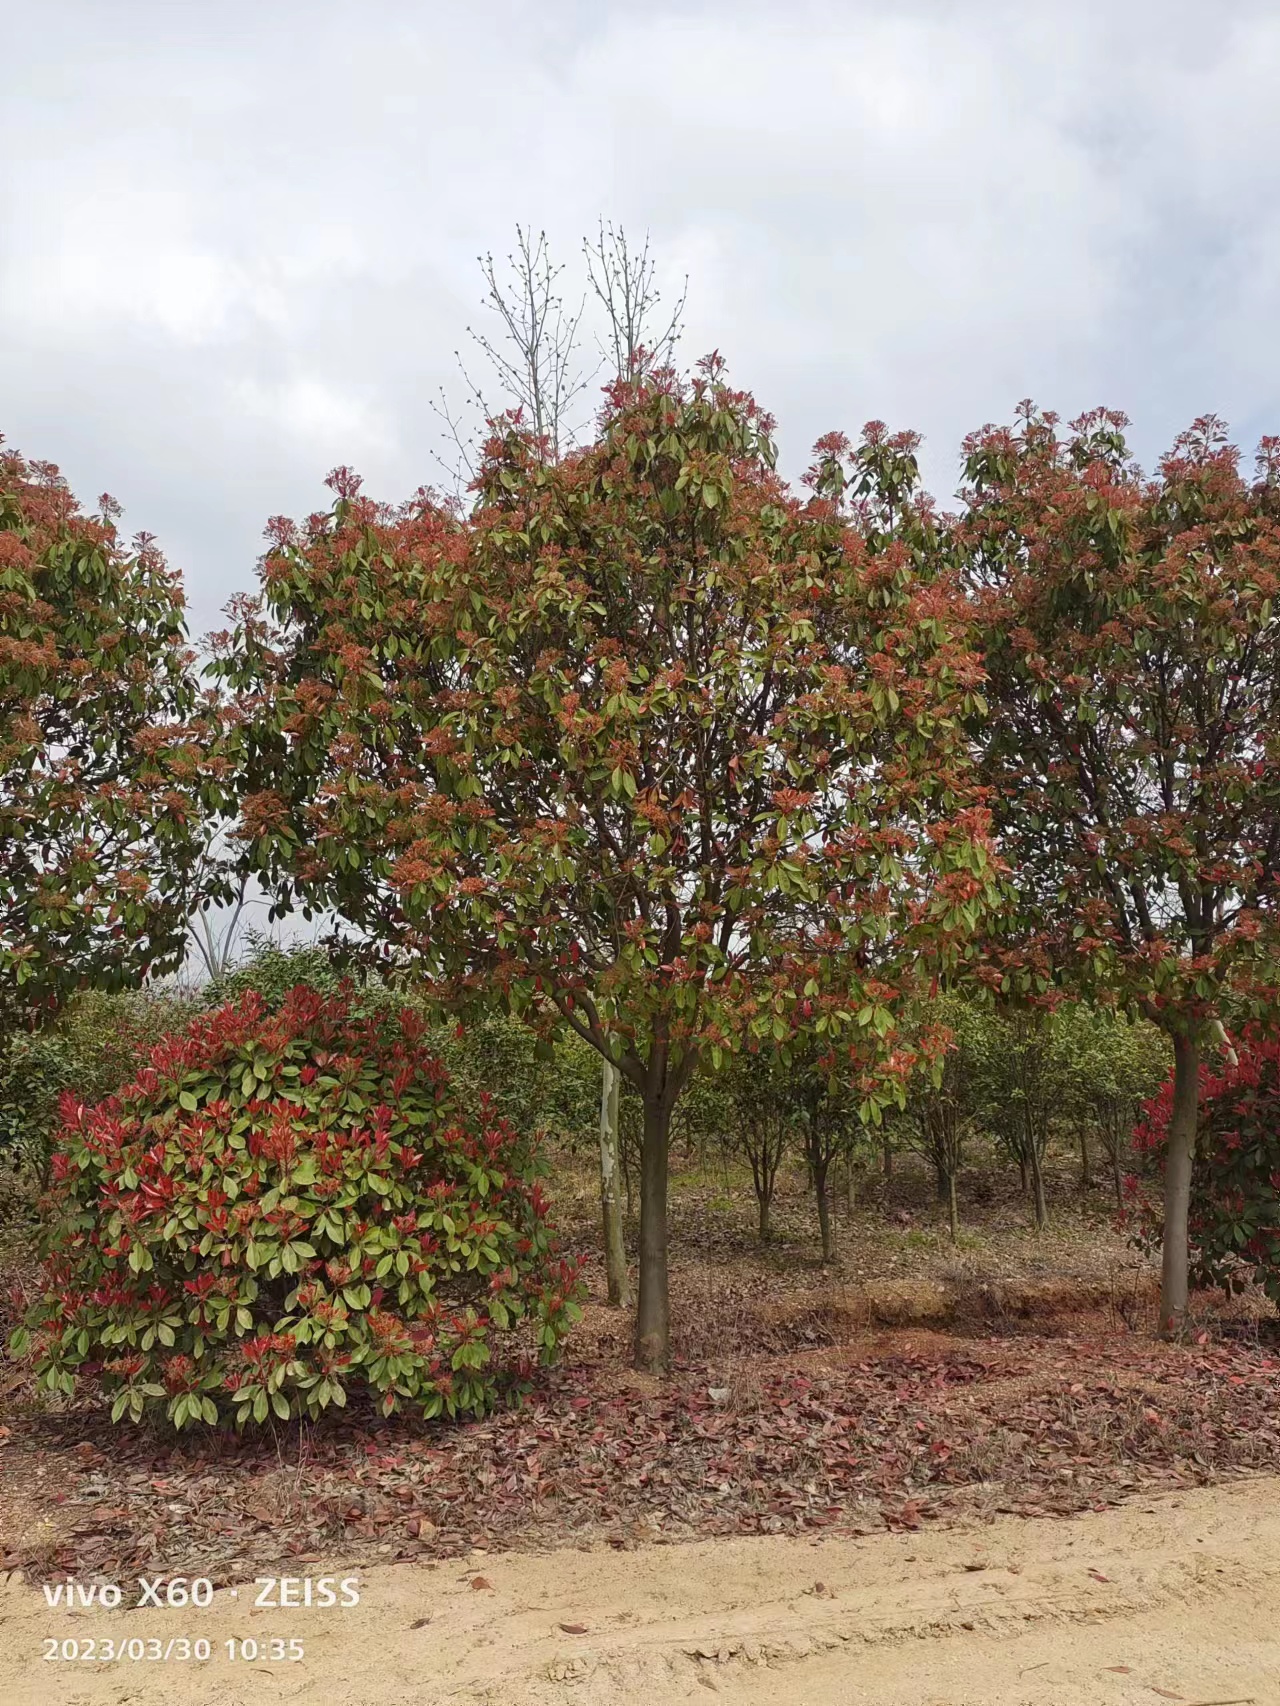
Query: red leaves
[[1131, 640], [364, 1230], [100, 760], [804, 1454]]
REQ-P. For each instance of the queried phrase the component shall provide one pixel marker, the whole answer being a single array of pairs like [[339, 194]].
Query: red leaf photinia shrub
[[283, 1208], [1234, 1219]]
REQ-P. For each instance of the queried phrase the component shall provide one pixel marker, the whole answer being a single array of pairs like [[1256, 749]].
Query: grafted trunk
[[1179, 1154], [615, 1252], [653, 1312]]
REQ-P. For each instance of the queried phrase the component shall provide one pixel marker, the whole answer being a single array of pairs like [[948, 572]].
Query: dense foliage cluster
[[1008, 1080], [99, 812], [100, 1038], [284, 1208]]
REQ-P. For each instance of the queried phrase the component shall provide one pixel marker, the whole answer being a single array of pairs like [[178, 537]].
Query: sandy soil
[[1173, 1599]]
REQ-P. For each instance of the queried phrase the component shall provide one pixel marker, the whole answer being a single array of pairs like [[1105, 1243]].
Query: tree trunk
[[953, 1208], [1037, 1187], [1117, 1177], [940, 1181], [888, 1160], [615, 1250], [653, 1314], [764, 1201], [1022, 1172], [851, 1188], [1179, 1154], [824, 1212], [1086, 1170]]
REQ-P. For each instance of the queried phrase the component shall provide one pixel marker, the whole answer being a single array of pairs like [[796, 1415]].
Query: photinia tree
[[1234, 1219], [99, 812], [648, 748], [1132, 643]]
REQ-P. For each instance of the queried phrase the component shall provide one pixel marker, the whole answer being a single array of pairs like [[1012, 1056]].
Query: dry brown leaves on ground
[[898, 1430]]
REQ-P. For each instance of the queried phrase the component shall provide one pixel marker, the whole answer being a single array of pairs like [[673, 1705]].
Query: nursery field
[[649, 1066], [955, 1443]]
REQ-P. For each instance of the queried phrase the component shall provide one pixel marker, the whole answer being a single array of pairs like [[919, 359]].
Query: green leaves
[[104, 785], [353, 1234], [637, 749], [1132, 683]]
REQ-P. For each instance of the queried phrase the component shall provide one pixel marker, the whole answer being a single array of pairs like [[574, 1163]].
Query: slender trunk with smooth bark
[[940, 1181], [653, 1312], [615, 1250], [1037, 1187], [824, 1211], [1086, 1169], [953, 1208], [1179, 1154]]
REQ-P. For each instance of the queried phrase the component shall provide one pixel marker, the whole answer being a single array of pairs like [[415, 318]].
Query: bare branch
[[624, 283]]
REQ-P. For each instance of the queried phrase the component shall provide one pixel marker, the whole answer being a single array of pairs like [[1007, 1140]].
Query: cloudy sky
[[238, 241]]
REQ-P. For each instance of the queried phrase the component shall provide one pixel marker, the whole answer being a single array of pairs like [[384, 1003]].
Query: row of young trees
[[650, 749], [1011, 1083], [1016, 1078]]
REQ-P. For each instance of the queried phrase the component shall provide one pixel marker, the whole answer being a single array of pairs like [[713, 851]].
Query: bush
[[553, 1092], [1234, 1221], [283, 1208], [96, 1045], [272, 971]]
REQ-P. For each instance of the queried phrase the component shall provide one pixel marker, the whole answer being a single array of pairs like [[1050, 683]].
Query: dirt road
[[1175, 1599]]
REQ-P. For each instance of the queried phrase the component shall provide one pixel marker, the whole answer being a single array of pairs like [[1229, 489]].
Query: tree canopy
[[99, 812], [647, 747], [1131, 637]]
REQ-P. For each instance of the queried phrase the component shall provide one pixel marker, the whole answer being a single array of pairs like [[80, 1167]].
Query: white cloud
[[328, 421], [240, 241]]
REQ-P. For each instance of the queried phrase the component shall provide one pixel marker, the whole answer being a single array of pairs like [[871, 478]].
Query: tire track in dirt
[[1174, 1599]]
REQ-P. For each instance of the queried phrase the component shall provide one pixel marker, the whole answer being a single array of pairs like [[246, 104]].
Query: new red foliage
[[284, 1207]]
